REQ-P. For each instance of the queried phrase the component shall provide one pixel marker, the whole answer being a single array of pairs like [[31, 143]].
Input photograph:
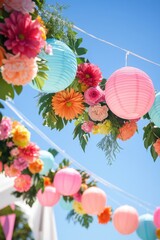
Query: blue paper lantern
[[48, 161], [66, 205], [154, 112], [62, 67], [146, 229]]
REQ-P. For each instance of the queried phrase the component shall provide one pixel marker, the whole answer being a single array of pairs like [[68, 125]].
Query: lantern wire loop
[[126, 58], [143, 204], [116, 46]]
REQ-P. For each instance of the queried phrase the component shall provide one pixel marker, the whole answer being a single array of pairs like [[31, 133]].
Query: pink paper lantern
[[93, 200], [125, 219], [49, 197], [129, 93], [67, 181], [156, 217]]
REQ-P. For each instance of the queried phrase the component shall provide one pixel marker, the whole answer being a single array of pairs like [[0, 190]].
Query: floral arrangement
[[24, 28]]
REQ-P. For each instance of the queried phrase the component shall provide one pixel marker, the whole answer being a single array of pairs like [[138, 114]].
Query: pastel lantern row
[[62, 67], [129, 93]]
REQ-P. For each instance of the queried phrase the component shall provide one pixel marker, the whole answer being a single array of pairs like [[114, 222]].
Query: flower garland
[[24, 28]]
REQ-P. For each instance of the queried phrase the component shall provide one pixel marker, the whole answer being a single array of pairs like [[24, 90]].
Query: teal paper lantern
[[146, 229], [66, 205], [48, 161], [62, 67], [154, 112]]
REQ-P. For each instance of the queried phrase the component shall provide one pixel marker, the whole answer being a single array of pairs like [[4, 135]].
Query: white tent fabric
[[41, 219]]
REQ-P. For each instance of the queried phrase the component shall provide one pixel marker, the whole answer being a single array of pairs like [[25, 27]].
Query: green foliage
[[85, 220], [82, 136], [110, 146], [5, 211], [39, 3], [151, 134], [41, 77]]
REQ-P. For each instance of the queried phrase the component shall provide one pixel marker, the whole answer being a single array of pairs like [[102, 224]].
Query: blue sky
[[134, 25]]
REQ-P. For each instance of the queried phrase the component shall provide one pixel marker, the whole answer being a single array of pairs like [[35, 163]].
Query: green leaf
[[153, 153], [6, 90], [1, 105], [81, 51], [39, 82], [43, 75], [78, 42], [6, 211], [54, 152], [18, 89]]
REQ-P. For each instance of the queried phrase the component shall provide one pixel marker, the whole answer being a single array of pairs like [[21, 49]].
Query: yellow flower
[[21, 136], [95, 129], [43, 28], [77, 206], [105, 127]]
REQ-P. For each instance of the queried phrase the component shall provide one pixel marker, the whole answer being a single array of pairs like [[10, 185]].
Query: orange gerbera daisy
[[105, 216], [68, 104]]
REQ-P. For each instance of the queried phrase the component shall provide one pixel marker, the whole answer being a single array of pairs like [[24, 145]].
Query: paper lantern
[[146, 229], [125, 219], [154, 112], [156, 217], [129, 93], [62, 67], [48, 161], [66, 205], [93, 200], [67, 181], [49, 197]]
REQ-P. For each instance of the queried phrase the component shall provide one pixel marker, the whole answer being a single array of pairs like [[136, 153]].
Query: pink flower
[[20, 163], [48, 49], [9, 144], [23, 183], [24, 6], [1, 166], [93, 95], [77, 196], [89, 74], [14, 152], [19, 70], [156, 146], [87, 126], [5, 128], [23, 35], [11, 171], [29, 153], [98, 112]]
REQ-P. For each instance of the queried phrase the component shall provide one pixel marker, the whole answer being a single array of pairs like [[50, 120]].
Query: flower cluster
[[22, 38]]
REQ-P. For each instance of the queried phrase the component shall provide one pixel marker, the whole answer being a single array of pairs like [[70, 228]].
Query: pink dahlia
[[87, 126], [24, 6], [89, 74], [98, 112], [19, 70], [5, 128], [20, 163], [14, 152], [23, 35], [29, 153], [23, 183], [93, 95]]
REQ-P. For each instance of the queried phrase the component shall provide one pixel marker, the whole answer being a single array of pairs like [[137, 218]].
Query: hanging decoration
[[49, 197], [154, 112]]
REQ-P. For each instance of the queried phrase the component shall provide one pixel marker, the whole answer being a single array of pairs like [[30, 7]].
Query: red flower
[[105, 216], [23, 35], [89, 74]]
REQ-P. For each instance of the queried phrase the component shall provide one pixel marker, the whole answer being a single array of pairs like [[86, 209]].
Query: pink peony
[[23, 35], [14, 152], [23, 183], [5, 128], [29, 153], [20, 163], [11, 171], [19, 70], [87, 126], [24, 6], [1, 167], [93, 95], [98, 112], [77, 196], [89, 74]]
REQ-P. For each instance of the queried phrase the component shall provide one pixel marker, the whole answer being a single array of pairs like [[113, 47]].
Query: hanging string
[[116, 46], [126, 58], [134, 199]]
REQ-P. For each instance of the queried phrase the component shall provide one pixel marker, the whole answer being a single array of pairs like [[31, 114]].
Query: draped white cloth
[[40, 219]]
